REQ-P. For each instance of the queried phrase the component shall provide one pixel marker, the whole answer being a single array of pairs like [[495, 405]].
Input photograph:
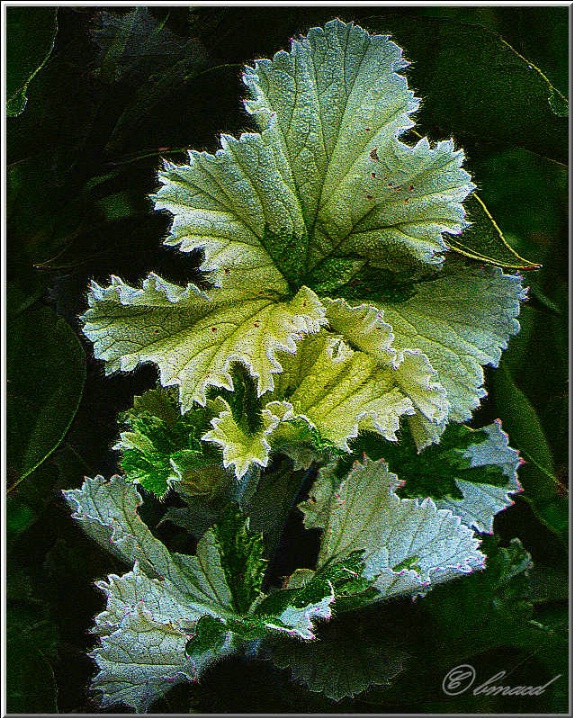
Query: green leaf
[[472, 472], [311, 188], [108, 512], [173, 615], [336, 105], [481, 501], [408, 545], [32, 646], [162, 447], [30, 35], [242, 449], [461, 320], [477, 87], [338, 391], [542, 488], [293, 611], [350, 655], [363, 327], [192, 336], [144, 632], [210, 634], [242, 555], [483, 239], [46, 375]]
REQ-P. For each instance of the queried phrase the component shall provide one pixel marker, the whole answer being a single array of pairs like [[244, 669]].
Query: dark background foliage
[[118, 90]]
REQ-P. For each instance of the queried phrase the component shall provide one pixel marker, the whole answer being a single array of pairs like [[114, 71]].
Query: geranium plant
[[332, 356]]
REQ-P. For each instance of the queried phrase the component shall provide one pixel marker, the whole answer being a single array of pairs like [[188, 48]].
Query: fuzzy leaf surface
[[193, 337], [461, 320], [472, 472], [157, 627], [408, 545], [327, 180]]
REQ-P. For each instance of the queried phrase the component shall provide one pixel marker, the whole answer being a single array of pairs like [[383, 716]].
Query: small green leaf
[[483, 239], [46, 373], [209, 635], [30, 35], [242, 557], [161, 447]]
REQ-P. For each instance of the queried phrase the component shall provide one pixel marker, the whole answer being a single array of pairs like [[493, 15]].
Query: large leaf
[[46, 375], [108, 513], [461, 320], [472, 472], [172, 615], [30, 35], [362, 650], [194, 337], [408, 545], [144, 631], [328, 178], [326, 196]]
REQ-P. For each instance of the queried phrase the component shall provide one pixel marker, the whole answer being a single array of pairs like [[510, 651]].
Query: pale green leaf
[[239, 207], [461, 320], [481, 501], [408, 545], [154, 612], [241, 449], [327, 179], [108, 512], [143, 633], [325, 395], [363, 326], [339, 391], [336, 106], [194, 337]]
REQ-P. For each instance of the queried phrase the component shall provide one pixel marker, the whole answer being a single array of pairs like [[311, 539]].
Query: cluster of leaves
[[357, 309]]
